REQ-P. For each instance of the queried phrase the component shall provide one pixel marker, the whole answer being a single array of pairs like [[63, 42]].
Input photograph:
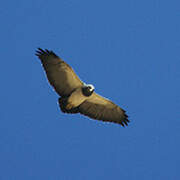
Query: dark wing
[[60, 75], [99, 108]]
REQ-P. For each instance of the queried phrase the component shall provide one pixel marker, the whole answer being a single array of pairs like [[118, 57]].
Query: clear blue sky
[[130, 51]]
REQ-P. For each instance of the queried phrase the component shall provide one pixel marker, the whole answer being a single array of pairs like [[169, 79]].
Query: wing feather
[[60, 75], [100, 108]]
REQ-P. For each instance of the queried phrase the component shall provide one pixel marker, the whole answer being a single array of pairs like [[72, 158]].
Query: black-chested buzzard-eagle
[[76, 96]]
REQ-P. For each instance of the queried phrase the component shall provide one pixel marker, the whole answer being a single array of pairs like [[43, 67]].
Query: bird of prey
[[75, 95]]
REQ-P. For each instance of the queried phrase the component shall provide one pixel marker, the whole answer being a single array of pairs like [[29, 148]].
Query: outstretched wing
[[99, 108], [60, 75]]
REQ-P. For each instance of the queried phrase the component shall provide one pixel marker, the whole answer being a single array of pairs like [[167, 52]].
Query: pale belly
[[76, 99]]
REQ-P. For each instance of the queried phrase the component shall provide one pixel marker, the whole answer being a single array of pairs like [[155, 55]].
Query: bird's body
[[76, 96]]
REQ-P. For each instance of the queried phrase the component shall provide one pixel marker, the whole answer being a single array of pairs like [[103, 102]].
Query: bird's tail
[[63, 104]]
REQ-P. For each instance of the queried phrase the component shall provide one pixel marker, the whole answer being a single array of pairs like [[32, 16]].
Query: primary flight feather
[[76, 96]]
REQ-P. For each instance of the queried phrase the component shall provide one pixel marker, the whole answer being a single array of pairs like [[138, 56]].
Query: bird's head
[[87, 89]]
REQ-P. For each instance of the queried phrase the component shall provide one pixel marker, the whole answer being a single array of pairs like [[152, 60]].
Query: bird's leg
[[69, 105]]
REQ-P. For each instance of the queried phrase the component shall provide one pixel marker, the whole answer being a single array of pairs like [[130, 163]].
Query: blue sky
[[129, 50]]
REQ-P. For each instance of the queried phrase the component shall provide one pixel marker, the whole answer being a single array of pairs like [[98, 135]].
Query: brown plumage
[[76, 96]]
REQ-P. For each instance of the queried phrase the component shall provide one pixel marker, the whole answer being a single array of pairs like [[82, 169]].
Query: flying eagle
[[76, 96]]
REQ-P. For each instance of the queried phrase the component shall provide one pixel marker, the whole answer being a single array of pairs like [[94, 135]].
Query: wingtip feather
[[40, 52]]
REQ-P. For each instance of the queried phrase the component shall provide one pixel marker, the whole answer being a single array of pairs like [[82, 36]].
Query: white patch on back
[[92, 87]]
